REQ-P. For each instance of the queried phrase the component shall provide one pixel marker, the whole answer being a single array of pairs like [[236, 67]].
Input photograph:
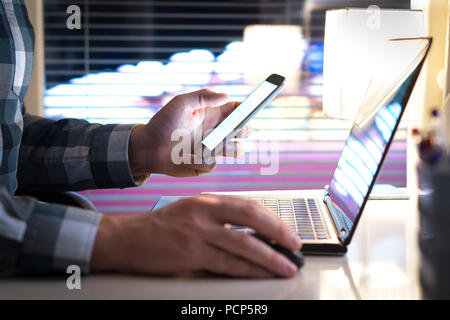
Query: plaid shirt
[[38, 153]]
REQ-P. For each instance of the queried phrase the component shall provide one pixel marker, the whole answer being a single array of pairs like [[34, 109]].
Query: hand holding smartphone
[[237, 119]]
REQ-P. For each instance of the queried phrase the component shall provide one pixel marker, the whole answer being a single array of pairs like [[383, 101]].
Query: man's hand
[[190, 235], [194, 114]]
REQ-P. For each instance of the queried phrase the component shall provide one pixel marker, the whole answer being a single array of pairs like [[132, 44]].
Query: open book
[[403, 56], [366, 62]]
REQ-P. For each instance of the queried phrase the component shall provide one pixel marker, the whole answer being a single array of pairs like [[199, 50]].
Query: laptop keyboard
[[301, 215]]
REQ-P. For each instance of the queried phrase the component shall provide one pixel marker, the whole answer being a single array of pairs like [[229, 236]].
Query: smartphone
[[233, 124]]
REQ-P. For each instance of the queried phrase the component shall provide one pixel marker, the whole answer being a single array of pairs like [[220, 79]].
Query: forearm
[[74, 155], [141, 162], [103, 257], [115, 242]]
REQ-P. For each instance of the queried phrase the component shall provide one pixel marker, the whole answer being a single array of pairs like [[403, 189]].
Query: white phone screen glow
[[239, 114]]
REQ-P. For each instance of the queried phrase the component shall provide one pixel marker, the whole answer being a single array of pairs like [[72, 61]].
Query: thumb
[[200, 166]]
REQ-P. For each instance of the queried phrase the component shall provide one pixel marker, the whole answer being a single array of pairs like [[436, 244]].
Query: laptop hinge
[[341, 231]]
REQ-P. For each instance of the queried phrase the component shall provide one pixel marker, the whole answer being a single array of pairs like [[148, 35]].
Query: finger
[[200, 165], [216, 114], [241, 212], [229, 264], [226, 109], [198, 170], [202, 99], [245, 245], [245, 132], [232, 149]]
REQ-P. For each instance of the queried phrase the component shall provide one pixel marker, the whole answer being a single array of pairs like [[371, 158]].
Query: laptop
[[326, 219]]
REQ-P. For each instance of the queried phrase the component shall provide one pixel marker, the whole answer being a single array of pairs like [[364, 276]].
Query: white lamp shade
[[359, 56], [273, 49]]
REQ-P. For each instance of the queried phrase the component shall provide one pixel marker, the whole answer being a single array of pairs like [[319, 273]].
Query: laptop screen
[[362, 157]]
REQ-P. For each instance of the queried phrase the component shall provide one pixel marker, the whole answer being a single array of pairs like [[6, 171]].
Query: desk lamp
[[356, 50]]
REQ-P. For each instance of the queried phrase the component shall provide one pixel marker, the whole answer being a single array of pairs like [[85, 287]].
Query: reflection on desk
[[382, 263]]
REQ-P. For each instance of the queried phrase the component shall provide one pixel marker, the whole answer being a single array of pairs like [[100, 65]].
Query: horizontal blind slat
[[126, 33]]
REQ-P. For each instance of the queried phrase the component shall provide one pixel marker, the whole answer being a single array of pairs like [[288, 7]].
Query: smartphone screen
[[237, 119]]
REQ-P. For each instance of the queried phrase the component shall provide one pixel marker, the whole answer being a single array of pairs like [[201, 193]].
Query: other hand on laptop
[[190, 235]]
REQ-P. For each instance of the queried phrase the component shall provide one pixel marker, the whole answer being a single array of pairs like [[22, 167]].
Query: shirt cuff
[[109, 157], [58, 237]]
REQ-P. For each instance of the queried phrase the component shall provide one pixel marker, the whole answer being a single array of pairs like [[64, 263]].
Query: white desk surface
[[382, 263]]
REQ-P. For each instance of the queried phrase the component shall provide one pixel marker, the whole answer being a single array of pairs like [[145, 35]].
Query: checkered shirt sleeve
[[38, 153], [68, 154], [38, 237], [72, 154]]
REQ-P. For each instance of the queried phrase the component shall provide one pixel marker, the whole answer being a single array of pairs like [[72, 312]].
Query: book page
[[359, 56], [390, 69]]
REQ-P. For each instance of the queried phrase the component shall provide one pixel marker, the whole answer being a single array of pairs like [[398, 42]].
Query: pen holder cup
[[434, 232]]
